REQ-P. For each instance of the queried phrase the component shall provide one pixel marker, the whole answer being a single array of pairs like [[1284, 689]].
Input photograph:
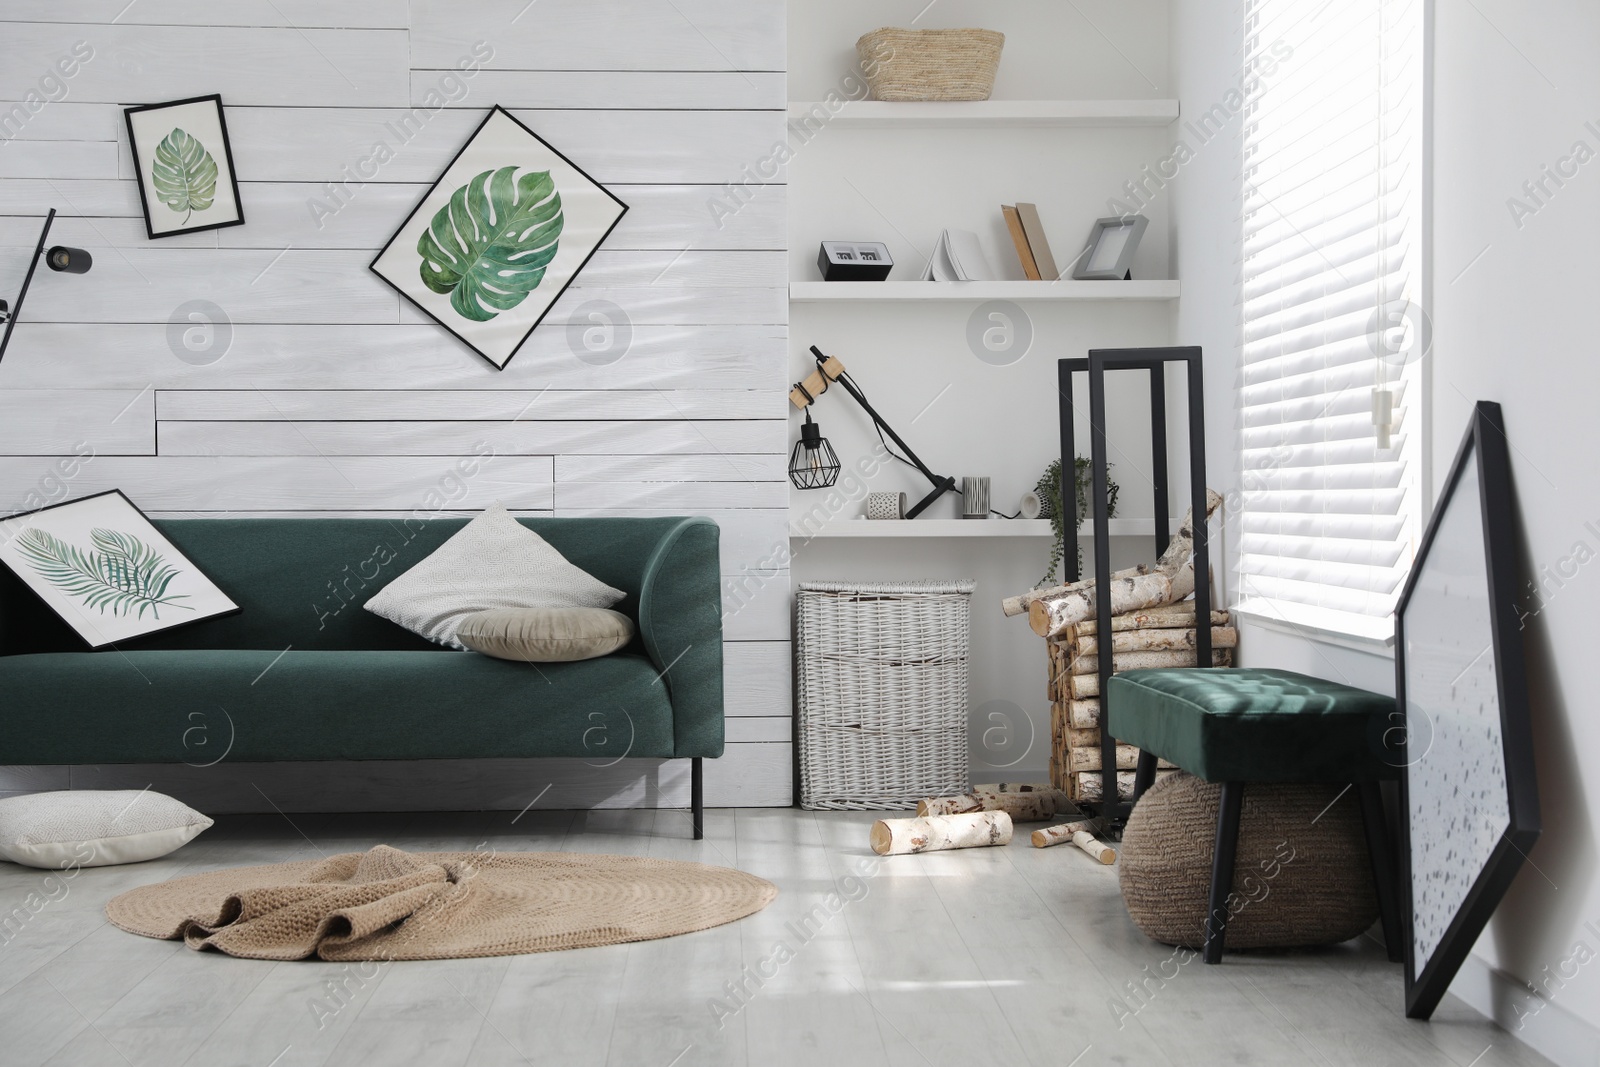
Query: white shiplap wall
[[335, 396]]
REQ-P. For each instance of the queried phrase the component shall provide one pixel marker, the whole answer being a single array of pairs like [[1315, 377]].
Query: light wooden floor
[[1005, 956]]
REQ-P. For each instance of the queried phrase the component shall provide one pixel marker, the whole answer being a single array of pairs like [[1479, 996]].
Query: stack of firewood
[[1155, 637], [1153, 625]]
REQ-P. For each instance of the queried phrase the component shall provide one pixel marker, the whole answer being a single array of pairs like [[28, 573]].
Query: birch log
[[1022, 807], [1138, 661], [1089, 786], [1089, 758], [960, 804], [1052, 616], [1033, 789], [1178, 550], [1087, 841], [1083, 737], [1089, 789], [1016, 605], [1085, 687], [1158, 640], [1083, 714], [1056, 835], [899, 837], [1179, 616], [1023, 787]]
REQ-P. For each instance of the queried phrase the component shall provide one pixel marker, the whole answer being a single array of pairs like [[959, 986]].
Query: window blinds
[[1332, 334]]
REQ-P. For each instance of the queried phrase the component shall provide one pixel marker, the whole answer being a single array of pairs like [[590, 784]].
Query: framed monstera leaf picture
[[107, 571], [499, 237], [185, 166]]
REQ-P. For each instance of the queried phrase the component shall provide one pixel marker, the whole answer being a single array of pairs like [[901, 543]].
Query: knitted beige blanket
[[392, 905]]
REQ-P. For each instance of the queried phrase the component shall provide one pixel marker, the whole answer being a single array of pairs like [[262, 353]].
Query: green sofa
[[304, 673]]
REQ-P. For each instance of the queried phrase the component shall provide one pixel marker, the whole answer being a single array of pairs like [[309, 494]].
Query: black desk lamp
[[58, 258], [813, 464]]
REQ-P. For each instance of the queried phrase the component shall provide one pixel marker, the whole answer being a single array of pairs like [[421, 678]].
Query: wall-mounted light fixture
[[58, 258]]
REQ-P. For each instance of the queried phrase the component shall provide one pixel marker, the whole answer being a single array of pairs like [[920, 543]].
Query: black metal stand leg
[[1382, 867], [1144, 776], [697, 799], [1222, 870]]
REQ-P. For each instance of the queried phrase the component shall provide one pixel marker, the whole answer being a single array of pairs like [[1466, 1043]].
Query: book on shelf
[[1030, 268], [958, 257], [1033, 230]]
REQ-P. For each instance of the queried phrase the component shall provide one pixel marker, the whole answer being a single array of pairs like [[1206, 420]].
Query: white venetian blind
[[1332, 333]]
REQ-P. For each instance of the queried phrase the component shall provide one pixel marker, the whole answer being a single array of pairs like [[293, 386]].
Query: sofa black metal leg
[[1144, 776], [1226, 848], [697, 800], [1382, 867]]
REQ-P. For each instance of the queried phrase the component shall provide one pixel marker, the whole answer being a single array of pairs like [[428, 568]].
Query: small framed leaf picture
[[499, 237], [112, 576], [185, 165]]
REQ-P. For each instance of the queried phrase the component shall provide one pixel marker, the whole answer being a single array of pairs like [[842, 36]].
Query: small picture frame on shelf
[[854, 261], [1112, 243]]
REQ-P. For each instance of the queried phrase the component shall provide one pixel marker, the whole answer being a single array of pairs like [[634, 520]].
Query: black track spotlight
[[69, 260], [59, 258]]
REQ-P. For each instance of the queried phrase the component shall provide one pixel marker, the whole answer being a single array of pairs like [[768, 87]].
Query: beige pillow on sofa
[[545, 635], [492, 562]]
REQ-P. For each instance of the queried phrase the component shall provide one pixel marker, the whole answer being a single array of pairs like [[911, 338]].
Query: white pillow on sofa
[[492, 562], [94, 827]]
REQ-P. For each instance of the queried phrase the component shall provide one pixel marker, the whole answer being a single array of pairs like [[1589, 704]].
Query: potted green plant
[[1049, 492]]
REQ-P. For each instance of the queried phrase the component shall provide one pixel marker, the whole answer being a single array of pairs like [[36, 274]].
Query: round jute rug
[[387, 904]]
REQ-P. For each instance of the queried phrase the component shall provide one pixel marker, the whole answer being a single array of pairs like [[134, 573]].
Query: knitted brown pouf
[[1302, 875]]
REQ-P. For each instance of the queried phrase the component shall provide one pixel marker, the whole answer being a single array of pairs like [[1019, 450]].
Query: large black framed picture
[[101, 565], [184, 164], [1469, 801], [499, 237]]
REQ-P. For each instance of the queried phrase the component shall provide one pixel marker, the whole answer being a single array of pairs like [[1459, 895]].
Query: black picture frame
[[1484, 455], [7, 524], [434, 188], [139, 164]]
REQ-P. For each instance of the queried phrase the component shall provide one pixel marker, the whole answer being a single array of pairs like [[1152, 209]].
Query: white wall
[[1514, 86], [961, 415], [334, 395]]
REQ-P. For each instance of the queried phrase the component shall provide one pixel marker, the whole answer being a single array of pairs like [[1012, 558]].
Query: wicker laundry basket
[[1301, 876], [930, 64], [882, 692]]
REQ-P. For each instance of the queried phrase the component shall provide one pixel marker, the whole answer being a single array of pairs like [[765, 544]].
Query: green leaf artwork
[[489, 246], [184, 174], [121, 573]]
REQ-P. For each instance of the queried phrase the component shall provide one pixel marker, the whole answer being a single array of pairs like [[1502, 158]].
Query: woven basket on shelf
[[881, 675], [930, 64], [1302, 875]]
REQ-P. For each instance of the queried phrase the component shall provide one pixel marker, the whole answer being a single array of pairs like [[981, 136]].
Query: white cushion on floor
[[94, 827]]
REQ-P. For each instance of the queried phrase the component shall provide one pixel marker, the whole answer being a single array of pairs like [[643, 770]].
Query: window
[[1333, 331]]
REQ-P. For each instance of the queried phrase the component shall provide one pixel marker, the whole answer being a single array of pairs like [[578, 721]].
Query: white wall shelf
[[995, 113], [887, 292], [962, 528]]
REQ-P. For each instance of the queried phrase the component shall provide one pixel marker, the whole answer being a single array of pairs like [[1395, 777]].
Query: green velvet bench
[[1238, 725], [303, 673]]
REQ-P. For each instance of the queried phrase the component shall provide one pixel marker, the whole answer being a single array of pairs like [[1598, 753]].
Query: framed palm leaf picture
[[499, 237], [185, 166], [111, 575]]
